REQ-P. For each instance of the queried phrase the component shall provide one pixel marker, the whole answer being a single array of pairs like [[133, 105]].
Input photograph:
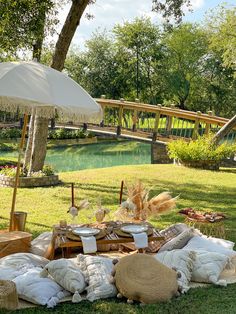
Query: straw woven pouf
[[140, 277], [8, 295]]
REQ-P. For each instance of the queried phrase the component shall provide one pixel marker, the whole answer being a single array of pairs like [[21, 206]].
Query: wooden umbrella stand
[[21, 147]]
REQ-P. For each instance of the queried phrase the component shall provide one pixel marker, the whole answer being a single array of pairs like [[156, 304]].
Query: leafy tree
[[171, 9], [138, 51], [222, 27], [101, 67], [24, 24], [185, 49]]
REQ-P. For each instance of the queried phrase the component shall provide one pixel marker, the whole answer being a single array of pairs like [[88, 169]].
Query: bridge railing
[[159, 121]]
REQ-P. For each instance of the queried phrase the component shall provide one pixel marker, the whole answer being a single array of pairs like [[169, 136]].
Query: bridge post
[[156, 124], [208, 125], [196, 126], [169, 120], [119, 126]]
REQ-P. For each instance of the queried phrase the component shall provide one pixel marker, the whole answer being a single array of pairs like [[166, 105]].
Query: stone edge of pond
[[28, 182]]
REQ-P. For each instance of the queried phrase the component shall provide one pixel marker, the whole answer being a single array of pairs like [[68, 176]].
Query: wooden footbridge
[[144, 122]]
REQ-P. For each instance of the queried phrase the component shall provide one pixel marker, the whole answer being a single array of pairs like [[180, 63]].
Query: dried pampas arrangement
[[138, 206]]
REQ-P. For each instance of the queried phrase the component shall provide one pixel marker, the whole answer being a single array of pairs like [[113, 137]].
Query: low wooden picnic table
[[60, 240]]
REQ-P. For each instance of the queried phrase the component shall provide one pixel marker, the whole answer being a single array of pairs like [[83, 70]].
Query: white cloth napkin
[[140, 240], [89, 244]]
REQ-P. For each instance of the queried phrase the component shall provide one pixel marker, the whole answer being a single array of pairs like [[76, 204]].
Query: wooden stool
[[14, 242], [8, 295]]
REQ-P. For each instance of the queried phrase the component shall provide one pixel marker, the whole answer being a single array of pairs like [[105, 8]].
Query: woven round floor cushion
[[140, 277], [8, 295]]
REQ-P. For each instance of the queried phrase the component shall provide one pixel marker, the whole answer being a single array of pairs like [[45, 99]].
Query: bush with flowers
[[10, 171]]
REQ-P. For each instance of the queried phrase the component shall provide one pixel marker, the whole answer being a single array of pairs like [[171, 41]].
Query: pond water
[[101, 155]]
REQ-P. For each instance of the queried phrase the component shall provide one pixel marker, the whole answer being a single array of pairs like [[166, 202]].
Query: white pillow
[[44, 291], [182, 261], [208, 267], [202, 243], [40, 244], [17, 259], [67, 274], [179, 241], [9, 272], [97, 271], [225, 243]]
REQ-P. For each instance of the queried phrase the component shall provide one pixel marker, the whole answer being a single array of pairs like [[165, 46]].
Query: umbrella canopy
[[28, 85]]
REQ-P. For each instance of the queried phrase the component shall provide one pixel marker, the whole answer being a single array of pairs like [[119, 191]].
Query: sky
[[107, 13]]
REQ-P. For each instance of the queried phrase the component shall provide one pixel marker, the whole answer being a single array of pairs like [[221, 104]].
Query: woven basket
[[8, 295]]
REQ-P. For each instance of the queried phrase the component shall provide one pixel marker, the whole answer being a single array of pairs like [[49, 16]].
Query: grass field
[[200, 189]]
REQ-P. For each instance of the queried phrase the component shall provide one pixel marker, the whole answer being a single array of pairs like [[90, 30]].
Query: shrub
[[48, 170], [10, 171], [68, 134], [7, 147], [9, 133], [201, 149]]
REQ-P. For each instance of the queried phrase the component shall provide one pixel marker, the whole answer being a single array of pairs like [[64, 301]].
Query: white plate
[[134, 228], [85, 232]]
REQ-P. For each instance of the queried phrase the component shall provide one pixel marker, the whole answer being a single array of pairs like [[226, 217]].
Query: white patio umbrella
[[25, 86]]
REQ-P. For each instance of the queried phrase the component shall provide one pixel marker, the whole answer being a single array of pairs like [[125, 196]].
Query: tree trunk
[[224, 130], [62, 46], [67, 33], [39, 147], [37, 50]]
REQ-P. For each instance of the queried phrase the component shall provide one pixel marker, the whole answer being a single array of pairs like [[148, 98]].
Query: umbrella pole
[[21, 146]]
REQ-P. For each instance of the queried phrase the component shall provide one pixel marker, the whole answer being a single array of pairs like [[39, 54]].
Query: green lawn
[[201, 189]]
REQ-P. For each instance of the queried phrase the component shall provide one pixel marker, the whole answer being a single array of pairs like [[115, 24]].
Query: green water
[[101, 155]]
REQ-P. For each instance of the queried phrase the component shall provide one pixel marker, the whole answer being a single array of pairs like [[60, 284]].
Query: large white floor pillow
[[18, 259], [208, 266], [9, 272], [44, 291], [40, 244], [180, 260], [97, 271], [225, 243], [205, 244], [67, 274]]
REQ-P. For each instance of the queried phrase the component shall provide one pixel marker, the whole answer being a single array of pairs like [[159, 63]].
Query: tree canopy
[[23, 22]]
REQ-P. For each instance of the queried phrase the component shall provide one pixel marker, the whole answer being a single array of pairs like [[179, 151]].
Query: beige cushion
[[182, 261], [45, 291], [20, 259], [66, 273], [97, 271], [208, 266], [142, 278], [205, 244], [40, 244], [179, 241], [174, 230]]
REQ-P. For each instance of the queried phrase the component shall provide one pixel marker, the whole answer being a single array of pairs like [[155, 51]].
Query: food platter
[[134, 228], [85, 231]]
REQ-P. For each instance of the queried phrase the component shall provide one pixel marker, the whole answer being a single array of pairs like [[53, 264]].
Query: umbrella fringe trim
[[49, 112]]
